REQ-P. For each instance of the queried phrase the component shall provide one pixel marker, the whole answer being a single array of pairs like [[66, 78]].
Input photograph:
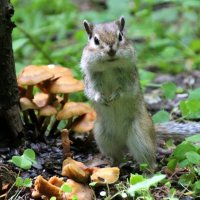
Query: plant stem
[[35, 44]]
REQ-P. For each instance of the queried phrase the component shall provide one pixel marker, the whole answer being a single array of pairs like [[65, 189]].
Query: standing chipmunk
[[112, 84]]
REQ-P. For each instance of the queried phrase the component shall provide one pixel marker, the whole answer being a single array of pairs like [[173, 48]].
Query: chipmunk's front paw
[[99, 98], [114, 96]]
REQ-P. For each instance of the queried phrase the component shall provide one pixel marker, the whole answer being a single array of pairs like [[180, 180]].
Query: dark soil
[[50, 155]]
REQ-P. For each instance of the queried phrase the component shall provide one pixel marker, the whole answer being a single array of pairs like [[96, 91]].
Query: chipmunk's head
[[107, 42]]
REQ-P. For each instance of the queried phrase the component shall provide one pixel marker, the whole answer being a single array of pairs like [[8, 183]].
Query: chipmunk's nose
[[111, 51]]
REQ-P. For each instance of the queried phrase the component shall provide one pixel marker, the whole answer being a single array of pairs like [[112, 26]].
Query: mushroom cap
[[41, 99], [85, 123], [65, 84], [27, 104], [47, 111], [33, 74], [57, 71], [72, 109], [75, 170], [105, 175]]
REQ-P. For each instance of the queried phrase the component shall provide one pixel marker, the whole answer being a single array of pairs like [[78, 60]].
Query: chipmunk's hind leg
[[140, 142], [108, 144]]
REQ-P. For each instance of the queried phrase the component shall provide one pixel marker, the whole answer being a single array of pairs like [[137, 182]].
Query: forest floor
[[49, 153]]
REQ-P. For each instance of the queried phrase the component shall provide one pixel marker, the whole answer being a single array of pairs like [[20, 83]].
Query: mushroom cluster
[[44, 99]]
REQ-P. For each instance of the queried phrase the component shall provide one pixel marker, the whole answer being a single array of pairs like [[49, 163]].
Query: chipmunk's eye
[[96, 40], [120, 37]]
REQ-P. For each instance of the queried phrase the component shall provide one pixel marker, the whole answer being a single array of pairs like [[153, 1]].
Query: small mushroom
[[47, 112], [27, 104], [75, 170], [28, 108], [41, 99], [73, 109], [57, 71], [83, 192], [105, 175], [65, 85], [85, 123], [32, 75], [43, 187]]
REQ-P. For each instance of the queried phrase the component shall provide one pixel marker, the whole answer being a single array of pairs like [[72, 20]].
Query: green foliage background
[[165, 33]]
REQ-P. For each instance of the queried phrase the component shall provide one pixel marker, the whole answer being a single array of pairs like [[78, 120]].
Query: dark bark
[[10, 120]]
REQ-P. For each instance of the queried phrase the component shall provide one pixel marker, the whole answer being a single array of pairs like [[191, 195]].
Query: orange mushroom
[[75, 170], [105, 175], [41, 99], [84, 123], [32, 75], [73, 109], [57, 71]]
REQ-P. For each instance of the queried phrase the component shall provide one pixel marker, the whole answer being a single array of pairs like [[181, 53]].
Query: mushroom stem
[[45, 125], [25, 117], [41, 120], [52, 98], [65, 99], [33, 117], [29, 92], [69, 123], [54, 127]]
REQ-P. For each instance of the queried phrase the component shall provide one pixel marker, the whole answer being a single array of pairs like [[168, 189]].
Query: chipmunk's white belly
[[115, 118]]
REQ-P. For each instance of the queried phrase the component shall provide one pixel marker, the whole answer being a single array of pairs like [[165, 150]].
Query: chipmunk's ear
[[121, 23], [88, 27]]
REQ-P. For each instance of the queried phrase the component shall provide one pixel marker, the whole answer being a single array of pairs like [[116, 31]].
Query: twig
[[35, 44]]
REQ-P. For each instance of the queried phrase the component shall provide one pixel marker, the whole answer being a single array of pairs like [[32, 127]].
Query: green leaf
[[66, 188], [181, 150], [26, 160], [146, 77], [195, 45], [136, 178], [194, 94], [169, 90], [193, 157], [172, 164], [27, 182], [29, 154], [190, 109], [74, 197], [19, 181], [194, 138], [184, 163], [197, 186], [21, 162], [161, 116], [53, 198], [144, 185], [92, 184], [143, 166], [186, 179]]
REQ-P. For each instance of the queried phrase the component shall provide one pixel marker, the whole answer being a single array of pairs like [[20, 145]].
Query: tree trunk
[[10, 120]]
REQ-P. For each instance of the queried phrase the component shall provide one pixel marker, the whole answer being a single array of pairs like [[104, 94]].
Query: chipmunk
[[112, 84]]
